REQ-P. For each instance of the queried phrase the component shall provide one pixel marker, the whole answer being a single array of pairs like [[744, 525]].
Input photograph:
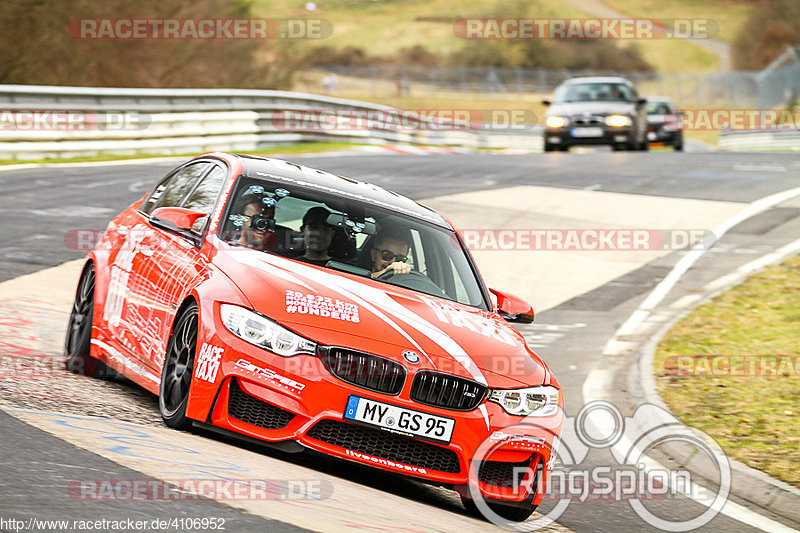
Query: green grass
[[728, 14], [383, 27], [756, 419], [302, 148]]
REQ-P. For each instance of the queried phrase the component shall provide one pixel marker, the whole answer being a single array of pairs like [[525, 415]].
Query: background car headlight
[[618, 120], [263, 332], [531, 401], [555, 122]]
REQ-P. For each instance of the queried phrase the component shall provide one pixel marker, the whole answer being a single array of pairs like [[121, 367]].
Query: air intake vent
[[385, 445], [246, 408], [364, 370], [446, 391]]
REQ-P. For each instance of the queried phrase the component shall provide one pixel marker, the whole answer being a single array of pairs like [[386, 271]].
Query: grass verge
[[755, 418], [303, 148]]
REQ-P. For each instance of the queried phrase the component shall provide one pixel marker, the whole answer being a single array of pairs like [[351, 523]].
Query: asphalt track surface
[[37, 207]]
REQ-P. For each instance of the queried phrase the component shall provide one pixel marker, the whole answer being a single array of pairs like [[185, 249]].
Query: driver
[[263, 240], [389, 252]]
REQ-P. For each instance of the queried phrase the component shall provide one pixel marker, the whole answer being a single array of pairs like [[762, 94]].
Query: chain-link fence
[[740, 89]]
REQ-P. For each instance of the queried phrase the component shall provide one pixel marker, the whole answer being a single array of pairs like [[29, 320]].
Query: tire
[[678, 147], [176, 374], [78, 341], [511, 513], [618, 147], [549, 147], [645, 146], [564, 148]]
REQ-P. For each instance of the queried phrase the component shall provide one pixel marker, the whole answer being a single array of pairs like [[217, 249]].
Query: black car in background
[[664, 126], [595, 111]]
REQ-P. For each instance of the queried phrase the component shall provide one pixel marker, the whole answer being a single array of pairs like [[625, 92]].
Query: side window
[[180, 184], [151, 201], [205, 195]]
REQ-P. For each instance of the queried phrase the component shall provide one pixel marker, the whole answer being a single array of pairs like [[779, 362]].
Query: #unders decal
[[309, 304], [208, 362]]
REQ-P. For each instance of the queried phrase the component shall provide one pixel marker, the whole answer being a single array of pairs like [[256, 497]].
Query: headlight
[[263, 332], [555, 122], [618, 121], [532, 401]]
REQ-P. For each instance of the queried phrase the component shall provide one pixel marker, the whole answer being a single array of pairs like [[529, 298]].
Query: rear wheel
[[176, 375], [78, 342]]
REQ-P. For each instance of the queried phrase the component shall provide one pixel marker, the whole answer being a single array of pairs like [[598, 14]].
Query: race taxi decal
[[269, 375], [310, 304], [208, 362]]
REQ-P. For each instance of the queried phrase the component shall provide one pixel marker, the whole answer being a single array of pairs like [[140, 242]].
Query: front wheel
[[176, 375]]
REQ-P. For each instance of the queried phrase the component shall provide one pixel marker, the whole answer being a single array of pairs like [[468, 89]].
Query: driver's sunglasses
[[388, 255]]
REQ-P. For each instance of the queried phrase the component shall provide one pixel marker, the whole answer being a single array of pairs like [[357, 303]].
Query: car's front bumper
[[298, 399], [608, 135]]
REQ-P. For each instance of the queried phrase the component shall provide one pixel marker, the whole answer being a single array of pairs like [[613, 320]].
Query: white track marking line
[[638, 317], [597, 382]]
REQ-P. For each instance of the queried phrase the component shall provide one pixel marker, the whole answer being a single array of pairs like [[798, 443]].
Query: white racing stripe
[[372, 298]]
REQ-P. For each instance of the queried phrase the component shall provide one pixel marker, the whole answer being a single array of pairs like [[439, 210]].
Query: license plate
[[399, 419], [587, 132]]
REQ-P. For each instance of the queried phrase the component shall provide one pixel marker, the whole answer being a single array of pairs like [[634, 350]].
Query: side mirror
[[513, 308], [177, 217], [546, 102], [641, 101]]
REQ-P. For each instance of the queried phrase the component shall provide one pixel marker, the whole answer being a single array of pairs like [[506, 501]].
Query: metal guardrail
[[760, 140], [172, 121]]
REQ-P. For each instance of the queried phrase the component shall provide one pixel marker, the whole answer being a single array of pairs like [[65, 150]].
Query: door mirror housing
[[179, 217], [513, 308]]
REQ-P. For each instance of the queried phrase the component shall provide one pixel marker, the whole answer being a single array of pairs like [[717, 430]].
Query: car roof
[[303, 176], [598, 79], [659, 99]]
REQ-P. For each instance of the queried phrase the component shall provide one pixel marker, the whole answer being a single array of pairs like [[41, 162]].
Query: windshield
[[350, 236], [589, 92], [658, 107]]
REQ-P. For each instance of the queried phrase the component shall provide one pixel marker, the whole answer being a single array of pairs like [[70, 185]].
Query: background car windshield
[[440, 266], [588, 92], [658, 107]]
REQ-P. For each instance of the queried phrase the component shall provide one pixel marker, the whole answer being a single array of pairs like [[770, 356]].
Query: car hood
[[594, 108], [338, 309]]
